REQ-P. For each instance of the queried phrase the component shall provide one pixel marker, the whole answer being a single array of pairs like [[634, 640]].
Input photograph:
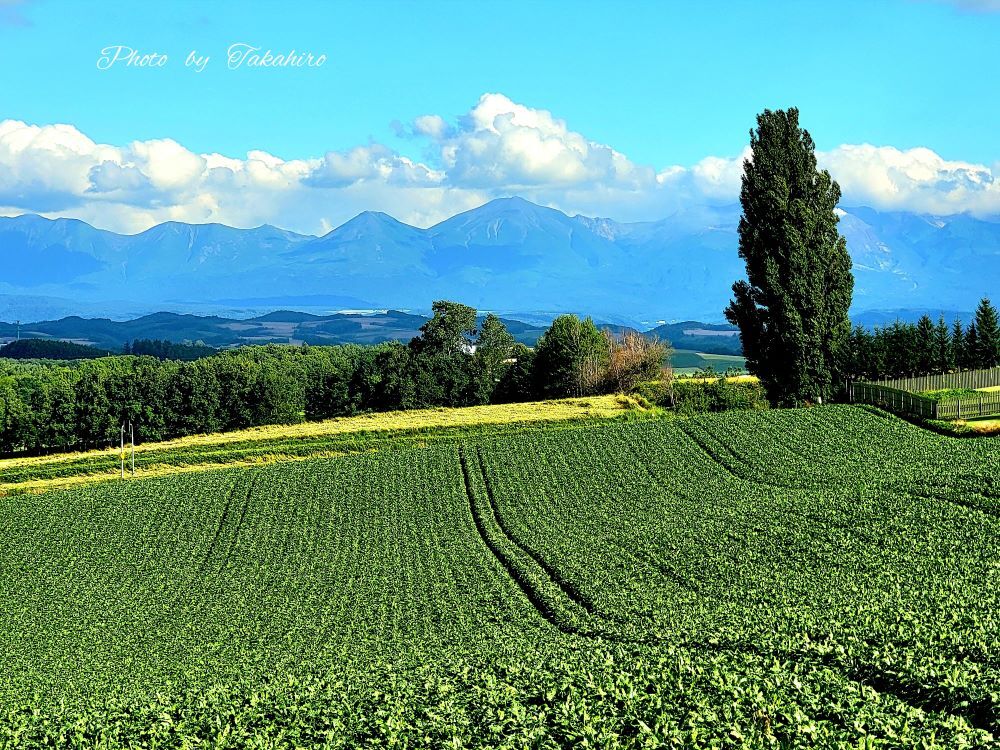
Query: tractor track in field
[[508, 564], [218, 530], [239, 523], [931, 491], [224, 521], [564, 607], [567, 587]]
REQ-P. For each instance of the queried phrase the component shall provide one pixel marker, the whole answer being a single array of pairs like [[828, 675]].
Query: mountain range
[[509, 255], [295, 327]]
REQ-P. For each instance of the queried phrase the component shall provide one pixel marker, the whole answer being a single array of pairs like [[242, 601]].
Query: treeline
[[55, 349], [453, 362], [168, 349], [924, 347], [49, 349]]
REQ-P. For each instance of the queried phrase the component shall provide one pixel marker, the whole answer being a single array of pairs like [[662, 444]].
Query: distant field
[[686, 362], [801, 578]]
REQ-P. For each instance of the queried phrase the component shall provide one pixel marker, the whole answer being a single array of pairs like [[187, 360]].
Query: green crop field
[[687, 362], [799, 578]]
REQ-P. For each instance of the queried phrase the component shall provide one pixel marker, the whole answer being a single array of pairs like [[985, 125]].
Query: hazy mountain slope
[[509, 255]]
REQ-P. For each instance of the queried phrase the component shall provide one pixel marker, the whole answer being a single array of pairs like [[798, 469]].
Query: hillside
[[632, 584], [274, 443], [292, 327], [279, 327], [509, 255]]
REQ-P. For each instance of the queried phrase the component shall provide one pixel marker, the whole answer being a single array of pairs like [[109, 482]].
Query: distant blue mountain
[[509, 255]]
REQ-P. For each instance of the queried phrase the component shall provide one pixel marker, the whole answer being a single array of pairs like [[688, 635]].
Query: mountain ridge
[[509, 255]]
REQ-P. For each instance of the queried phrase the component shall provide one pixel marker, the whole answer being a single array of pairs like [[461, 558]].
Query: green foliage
[[162, 349], [494, 347], [656, 392], [792, 310], [49, 349], [946, 394], [794, 578], [570, 358], [517, 380], [703, 393], [719, 394], [985, 352]]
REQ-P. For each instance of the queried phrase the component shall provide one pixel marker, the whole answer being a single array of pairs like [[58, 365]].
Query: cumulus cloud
[[499, 147], [502, 143], [914, 180]]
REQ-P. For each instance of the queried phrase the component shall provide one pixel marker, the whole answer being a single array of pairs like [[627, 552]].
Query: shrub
[[706, 392]]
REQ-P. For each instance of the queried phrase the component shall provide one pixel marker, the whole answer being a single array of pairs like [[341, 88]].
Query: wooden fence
[[894, 399], [898, 396], [967, 407], [970, 379]]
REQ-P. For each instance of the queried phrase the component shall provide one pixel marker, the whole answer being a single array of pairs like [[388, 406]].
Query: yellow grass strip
[[35, 486], [732, 379], [417, 419], [984, 426]]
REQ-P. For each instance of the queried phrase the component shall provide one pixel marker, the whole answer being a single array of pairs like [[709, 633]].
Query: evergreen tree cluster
[[925, 347], [34, 348], [168, 349]]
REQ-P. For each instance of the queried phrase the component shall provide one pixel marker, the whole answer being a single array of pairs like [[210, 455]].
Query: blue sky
[[664, 85]]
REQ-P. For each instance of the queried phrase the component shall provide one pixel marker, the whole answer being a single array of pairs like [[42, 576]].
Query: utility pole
[[19, 330], [131, 441], [123, 449]]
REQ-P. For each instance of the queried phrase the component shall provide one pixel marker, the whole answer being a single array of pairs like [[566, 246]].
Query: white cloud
[[498, 148], [500, 143], [914, 180]]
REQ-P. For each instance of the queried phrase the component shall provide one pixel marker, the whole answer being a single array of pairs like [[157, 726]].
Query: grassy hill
[[800, 578]]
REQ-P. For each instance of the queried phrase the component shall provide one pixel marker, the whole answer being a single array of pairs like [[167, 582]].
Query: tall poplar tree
[[792, 309]]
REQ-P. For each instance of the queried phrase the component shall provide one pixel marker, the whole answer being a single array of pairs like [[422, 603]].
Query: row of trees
[[905, 349], [162, 349], [451, 363]]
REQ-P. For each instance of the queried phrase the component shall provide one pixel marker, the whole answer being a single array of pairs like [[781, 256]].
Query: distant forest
[[56, 349], [924, 347], [454, 361], [51, 349]]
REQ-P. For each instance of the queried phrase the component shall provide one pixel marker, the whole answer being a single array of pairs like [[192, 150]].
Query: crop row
[[775, 579], [892, 588]]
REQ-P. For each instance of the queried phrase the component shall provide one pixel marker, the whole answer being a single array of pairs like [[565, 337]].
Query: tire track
[[567, 587], [218, 530], [239, 523], [519, 576]]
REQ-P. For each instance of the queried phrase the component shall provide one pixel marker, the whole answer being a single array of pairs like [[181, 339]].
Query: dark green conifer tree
[[792, 309]]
